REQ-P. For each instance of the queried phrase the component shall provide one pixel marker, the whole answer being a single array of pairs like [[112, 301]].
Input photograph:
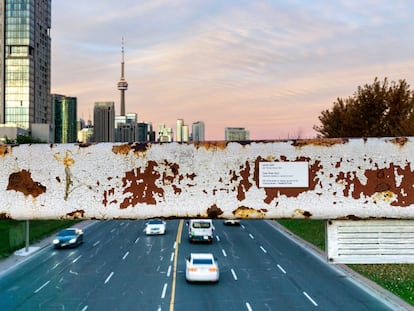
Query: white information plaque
[[283, 175]]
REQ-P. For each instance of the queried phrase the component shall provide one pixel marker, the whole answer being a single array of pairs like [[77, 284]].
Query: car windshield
[[202, 261], [155, 222], [201, 224], [67, 232]]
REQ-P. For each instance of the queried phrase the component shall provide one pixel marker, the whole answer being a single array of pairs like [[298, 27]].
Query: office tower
[[236, 133], [122, 84], [198, 131], [25, 52], [145, 132], [64, 118], [103, 121], [126, 128], [185, 133], [179, 130]]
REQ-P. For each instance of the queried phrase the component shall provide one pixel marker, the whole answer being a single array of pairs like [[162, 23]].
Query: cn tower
[[122, 84]]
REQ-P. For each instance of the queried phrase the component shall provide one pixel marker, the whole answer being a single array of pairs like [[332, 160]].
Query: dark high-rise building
[[64, 118], [104, 121], [25, 47]]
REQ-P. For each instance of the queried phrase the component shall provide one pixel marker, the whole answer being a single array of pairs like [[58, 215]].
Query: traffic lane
[[143, 280], [311, 277], [262, 283], [81, 275], [224, 295]]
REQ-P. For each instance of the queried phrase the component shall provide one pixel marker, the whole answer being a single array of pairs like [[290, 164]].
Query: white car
[[155, 226], [232, 222], [201, 267]]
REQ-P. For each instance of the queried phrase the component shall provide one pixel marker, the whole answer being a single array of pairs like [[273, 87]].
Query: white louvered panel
[[370, 241]]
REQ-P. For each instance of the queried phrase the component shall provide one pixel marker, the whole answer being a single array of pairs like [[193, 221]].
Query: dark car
[[70, 237]]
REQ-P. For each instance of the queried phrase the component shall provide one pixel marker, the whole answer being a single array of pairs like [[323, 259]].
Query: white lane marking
[[55, 266], [113, 230], [263, 249], [76, 259], [242, 226], [310, 299], [248, 307], [73, 272], [109, 277], [172, 257], [217, 238], [234, 274], [164, 290], [125, 256], [96, 243], [281, 269], [85, 308], [175, 245], [136, 241], [224, 252], [251, 236], [41, 287], [169, 271]]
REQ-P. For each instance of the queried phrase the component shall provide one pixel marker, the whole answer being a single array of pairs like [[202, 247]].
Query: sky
[[269, 66]]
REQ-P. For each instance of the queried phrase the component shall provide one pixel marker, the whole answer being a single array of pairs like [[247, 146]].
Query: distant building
[[145, 133], [198, 131], [85, 134], [165, 134], [103, 121], [64, 118], [126, 128], [179, 130], [25, 58], [236, 134]]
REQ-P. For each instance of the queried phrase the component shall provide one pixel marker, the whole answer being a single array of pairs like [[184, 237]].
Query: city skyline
[[269, 67]]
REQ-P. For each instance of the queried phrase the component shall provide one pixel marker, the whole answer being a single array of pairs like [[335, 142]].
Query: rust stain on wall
[[141, 186], [214, 211], [305, 214], [5, 216], [78, 214], [4, 150], [244, 212], [244, 184], [22, 181], [121, 149], [401, 141], [327, 142], [215, 145], [381, 184]]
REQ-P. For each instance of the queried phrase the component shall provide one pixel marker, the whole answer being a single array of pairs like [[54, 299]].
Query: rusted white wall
[[347, 179]]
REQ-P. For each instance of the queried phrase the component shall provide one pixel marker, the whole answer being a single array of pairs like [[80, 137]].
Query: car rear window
[[201, 224], [202, 261]]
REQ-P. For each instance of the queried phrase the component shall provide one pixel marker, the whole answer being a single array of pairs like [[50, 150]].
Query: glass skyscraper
[[25, 52], [64, 118]]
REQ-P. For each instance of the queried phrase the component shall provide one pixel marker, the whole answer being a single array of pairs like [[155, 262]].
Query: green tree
[[382, 109]]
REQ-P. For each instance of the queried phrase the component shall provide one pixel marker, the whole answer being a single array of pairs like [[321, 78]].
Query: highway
[[118, 267]]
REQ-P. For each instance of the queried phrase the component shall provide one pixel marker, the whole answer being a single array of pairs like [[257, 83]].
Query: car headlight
[[55, 241], [73, 240]]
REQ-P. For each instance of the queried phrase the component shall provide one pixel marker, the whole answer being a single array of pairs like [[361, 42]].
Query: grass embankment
[[397, 278], [13, 233]]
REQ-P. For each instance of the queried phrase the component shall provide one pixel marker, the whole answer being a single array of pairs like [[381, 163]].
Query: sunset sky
[[271, 67]]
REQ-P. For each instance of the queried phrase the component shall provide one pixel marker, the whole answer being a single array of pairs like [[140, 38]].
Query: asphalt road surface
[[118, 267]]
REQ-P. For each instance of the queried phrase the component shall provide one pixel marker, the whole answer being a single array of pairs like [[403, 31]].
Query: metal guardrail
[[314, 179]]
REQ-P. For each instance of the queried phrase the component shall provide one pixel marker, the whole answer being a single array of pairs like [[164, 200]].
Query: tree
[[381, 109]]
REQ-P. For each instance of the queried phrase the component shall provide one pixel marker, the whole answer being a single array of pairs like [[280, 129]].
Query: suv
[[200, 230]]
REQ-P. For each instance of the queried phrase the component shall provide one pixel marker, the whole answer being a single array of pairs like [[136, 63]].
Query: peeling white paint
[[206, 179]]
